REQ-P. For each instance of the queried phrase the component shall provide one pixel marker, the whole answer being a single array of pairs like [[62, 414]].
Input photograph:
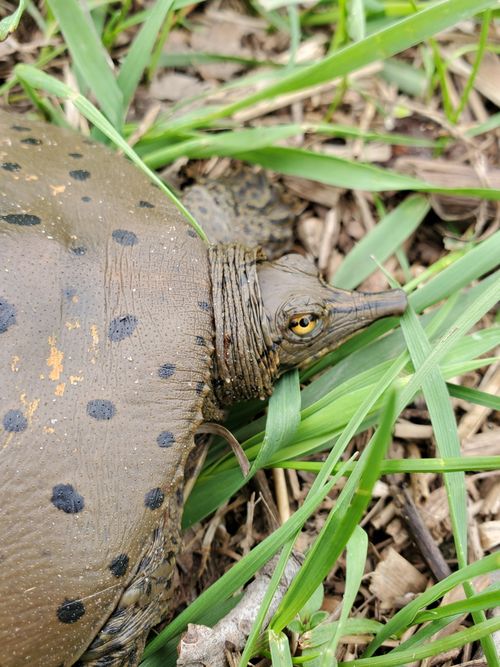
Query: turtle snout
[[371, 306]]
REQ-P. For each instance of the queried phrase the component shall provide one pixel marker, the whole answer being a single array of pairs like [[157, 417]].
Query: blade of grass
[[266, 602], [483, 40], [138, 55], [395, 466], [405, 617], [242, 571], [282, 419], [344, 173], [382, 241], [447, 440], [474, 396], [340, 524], [356, 552], [9, 23], [280, 649], [481, 601], [438, 647], [89, 56], [377, 46]]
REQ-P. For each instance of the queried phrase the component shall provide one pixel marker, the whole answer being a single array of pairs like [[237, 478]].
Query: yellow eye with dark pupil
[[303, 324]]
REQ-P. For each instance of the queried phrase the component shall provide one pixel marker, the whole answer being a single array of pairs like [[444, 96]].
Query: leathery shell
[[105, 347]]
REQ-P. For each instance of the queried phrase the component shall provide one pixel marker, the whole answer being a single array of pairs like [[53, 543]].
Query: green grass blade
[[486, 300], [382, 241], [139, 54], [9, 23], [283, 417], [395, 466], [474, 396], [447, 440], [405, 617], [481, 601], [438, 647], [220, 144], [90, 57], [478, 261], [377, 46], [357, 549], [280, 649], [340, 524], [242, 571], [343, 173], [266, 601]]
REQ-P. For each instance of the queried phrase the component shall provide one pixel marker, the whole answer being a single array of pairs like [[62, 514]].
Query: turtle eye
[[301, 325]]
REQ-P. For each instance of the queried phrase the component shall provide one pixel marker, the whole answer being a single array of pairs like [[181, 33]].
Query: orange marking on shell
[[72, 325], [57, 189], [55, 359], [31, 177], [59, 391], [14, 363], [75, 379], [49, 429], [30, 407], [95, 343]]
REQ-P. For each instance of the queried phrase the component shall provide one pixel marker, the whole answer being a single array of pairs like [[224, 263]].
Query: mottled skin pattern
[[99, 394], [120, 332]]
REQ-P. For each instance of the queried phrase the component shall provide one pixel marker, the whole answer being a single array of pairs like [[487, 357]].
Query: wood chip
[[394, 578], [489, 532]]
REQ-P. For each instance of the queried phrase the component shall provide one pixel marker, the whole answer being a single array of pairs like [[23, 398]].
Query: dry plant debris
[[330, 222]]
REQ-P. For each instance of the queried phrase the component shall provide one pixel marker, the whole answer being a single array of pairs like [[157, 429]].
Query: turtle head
[[271, 316], [307, 317]]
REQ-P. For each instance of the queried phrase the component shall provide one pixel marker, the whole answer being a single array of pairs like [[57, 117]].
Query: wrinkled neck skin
[[245, 363], [271, 317]]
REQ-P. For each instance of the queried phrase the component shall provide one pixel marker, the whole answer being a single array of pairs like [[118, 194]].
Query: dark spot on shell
[[20, 128], [77, 156], [191, 232], [122, 327], [124, 237], [31, 141], [14, 421], [86, 199], [22, 219], [200, 386], [199, 340], [154, 499], [65, 498], [101, 409], [79, 174], [203, 209], [69, 293], [166, 371], [179, 495], [79, 250], [119, 565], [204, 305], [165, 439], [70, 611], [7, 315], [145, 204], [11, 166]]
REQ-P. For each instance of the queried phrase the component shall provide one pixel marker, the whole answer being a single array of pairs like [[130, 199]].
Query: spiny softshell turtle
[[121, 331]]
